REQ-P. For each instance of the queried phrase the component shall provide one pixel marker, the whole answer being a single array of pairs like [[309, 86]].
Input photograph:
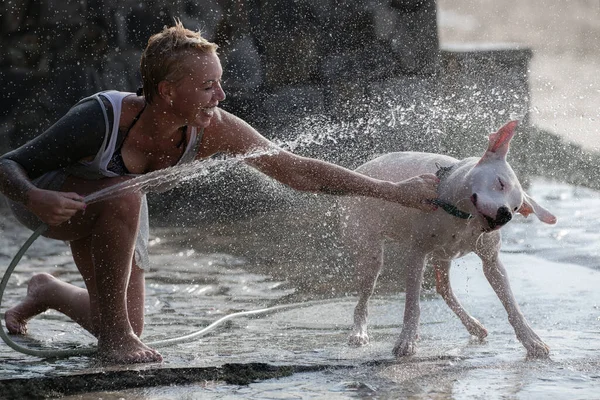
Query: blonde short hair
[[164, 56]]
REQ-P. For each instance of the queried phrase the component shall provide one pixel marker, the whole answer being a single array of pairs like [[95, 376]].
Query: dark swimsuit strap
[[117, 163], [132, 125]]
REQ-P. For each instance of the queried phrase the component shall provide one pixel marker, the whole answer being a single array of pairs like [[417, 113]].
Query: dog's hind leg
[[443, 287], [406, 343], [369, 261]]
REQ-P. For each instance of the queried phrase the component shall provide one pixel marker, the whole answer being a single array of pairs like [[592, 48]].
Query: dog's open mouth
[[492, 223], [495, 223], [503, 215]]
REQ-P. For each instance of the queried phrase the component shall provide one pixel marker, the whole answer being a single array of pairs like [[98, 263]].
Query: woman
[[111, 136]]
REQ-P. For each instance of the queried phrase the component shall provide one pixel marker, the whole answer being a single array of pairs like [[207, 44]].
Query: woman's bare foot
[[127, 349], [34, 303]]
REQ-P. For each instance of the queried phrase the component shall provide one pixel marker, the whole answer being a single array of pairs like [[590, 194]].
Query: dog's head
[[496, 193]]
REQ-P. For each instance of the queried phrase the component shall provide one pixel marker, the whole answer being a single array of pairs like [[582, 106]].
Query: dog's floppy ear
[[499, 142], [530, 206]]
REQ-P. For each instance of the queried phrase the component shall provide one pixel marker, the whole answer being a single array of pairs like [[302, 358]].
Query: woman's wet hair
[[164, 56]]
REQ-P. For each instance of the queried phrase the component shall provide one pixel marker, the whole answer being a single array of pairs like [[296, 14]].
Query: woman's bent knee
[[123, 209]]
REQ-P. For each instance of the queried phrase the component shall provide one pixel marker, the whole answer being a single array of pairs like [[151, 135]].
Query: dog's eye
[[501, 184], [516, 208]]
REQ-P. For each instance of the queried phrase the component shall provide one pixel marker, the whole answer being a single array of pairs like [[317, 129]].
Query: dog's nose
[[503, 216]]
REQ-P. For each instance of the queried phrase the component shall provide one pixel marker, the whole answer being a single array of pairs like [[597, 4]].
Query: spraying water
[[167, 178]]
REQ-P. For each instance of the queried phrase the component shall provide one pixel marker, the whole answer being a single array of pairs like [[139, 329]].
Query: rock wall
[[281, 58]]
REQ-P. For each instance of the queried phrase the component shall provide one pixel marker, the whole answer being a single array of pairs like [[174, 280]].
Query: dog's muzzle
[[503, 215]]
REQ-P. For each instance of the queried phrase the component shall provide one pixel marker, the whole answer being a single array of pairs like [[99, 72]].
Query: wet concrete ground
[[200, 275]]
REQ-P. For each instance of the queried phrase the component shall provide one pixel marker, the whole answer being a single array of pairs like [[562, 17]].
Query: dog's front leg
[[497, 277], [443, 287], [369, 261], [406, 344]]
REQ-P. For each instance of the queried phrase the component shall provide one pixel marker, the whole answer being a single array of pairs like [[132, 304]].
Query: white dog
[[477, 196]]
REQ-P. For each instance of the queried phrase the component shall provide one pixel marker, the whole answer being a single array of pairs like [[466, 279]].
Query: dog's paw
[[405, 348], [537, 349], [357, 339], [476, 328]]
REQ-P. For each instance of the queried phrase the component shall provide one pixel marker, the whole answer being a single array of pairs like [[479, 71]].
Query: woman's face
[[197, 95]]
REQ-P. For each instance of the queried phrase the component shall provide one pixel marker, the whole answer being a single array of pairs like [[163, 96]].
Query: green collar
[[442, 173], [452, 210]]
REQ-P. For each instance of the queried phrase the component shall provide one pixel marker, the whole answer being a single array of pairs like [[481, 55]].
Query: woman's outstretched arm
[[232, 135]]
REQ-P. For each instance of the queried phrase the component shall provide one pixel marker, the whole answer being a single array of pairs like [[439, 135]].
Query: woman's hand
[[418, 191], [52, 207]]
